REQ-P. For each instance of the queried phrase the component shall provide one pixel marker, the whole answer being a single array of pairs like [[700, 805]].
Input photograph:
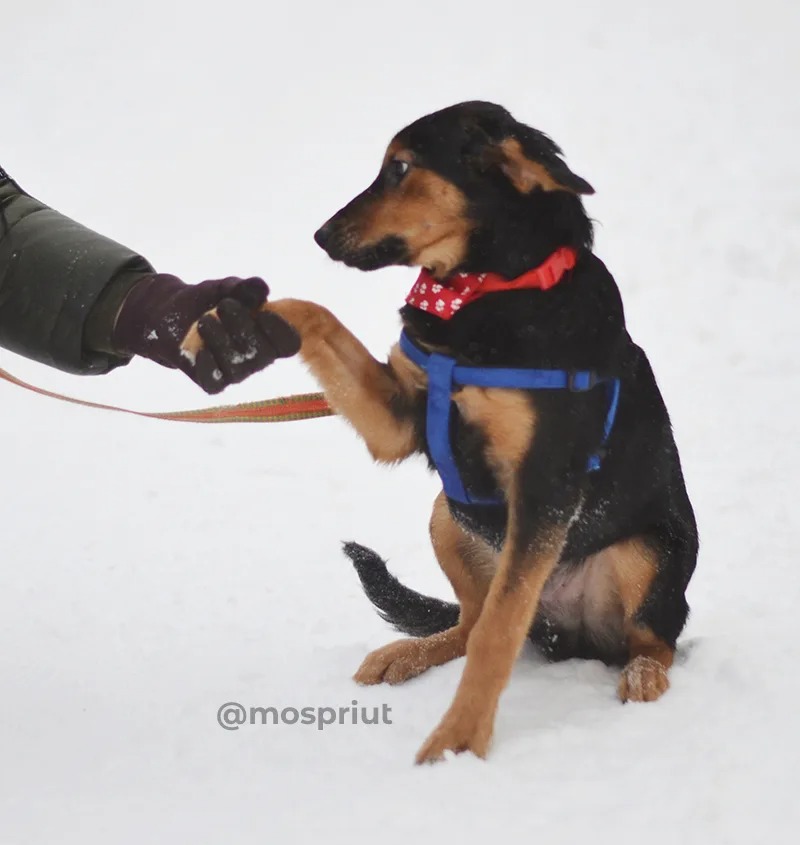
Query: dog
[[564, 516]]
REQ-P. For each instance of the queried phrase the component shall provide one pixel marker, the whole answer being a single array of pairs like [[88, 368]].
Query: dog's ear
[[543, 169], [545, 172], [528, 158]]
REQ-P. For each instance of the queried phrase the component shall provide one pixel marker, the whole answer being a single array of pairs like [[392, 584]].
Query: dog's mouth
[[341, 245], [388, 252]]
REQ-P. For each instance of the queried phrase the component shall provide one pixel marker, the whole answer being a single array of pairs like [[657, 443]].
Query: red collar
[[445, 298]]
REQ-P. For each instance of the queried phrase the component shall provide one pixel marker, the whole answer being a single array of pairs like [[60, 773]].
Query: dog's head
[[466, 188]]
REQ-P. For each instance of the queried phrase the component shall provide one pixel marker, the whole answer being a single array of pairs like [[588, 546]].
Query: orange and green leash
[[302, 406]]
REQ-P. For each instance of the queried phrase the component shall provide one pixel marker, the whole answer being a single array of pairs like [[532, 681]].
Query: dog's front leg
[[528, 557], [361, 389]]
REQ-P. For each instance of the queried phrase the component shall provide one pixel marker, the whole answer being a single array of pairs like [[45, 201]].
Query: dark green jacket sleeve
[[53, 274]]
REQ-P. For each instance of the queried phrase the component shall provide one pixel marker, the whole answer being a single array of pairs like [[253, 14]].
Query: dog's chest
[[506, 422]]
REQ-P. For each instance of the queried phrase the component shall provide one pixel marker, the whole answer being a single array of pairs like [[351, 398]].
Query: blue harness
[[443, 373]]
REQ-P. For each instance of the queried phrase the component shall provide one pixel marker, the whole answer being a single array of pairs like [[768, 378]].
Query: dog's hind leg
[[468, 563], [654, 612]]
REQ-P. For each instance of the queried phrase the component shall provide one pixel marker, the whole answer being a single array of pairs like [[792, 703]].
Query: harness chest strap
[[444, 374]]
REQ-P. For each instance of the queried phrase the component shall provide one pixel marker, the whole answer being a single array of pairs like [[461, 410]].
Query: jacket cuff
[[53, 272], [98, 331]]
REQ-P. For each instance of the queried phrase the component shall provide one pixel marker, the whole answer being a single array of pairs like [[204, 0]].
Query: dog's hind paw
[[404, 659], [643, 679], [392, 664]]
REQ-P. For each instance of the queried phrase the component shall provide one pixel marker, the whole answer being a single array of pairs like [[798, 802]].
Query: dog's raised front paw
[[309, 319]]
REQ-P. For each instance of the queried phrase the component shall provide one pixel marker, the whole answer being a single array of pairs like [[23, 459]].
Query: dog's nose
[[323, 234]]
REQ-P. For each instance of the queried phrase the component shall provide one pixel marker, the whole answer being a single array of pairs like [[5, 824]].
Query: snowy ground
[[152, 571]]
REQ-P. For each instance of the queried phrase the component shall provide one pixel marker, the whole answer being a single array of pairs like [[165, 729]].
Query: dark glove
[[236, 340]]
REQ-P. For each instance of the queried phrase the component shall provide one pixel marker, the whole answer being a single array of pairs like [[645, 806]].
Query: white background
[[151, 571]]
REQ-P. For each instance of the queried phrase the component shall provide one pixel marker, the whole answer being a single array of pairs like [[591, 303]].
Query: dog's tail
[[409, 611]]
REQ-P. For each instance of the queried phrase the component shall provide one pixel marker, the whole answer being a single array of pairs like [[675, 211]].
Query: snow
[[154, 571]]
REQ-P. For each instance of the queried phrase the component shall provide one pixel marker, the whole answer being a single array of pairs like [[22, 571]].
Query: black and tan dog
[[564, 515]]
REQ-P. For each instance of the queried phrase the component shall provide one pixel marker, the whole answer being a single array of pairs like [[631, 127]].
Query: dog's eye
[[396, 169]]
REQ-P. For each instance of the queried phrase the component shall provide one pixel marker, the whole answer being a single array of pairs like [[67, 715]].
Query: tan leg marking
[[356, 385], [507, 420], [467, 562], [644, 678], [493, 647]]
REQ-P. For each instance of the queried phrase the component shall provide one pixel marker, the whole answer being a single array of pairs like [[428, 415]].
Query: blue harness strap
[[443, 374], [440, 371]]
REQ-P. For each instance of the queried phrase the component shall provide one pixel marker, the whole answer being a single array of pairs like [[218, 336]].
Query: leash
[[302, 406]]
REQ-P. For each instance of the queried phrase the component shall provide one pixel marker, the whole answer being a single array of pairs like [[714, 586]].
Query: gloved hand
[[237, 338]]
